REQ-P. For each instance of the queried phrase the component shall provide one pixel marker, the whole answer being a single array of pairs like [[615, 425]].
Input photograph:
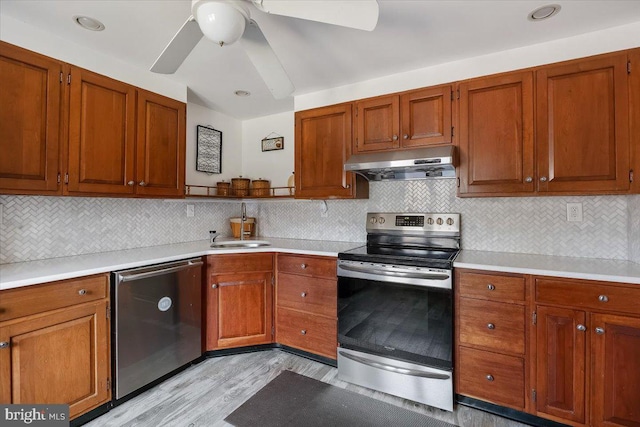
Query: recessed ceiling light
[[544, 12], [89, 23], [242, 93]]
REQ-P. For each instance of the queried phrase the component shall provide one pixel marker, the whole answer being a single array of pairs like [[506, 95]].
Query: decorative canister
[[222, 188], [240, 186], [260, 187]]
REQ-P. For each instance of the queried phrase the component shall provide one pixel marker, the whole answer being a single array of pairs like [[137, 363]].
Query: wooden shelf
[[211, 193]]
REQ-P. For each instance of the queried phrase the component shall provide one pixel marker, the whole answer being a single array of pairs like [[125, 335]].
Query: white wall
[[613, 39], [232, 145], [277, 165], [29, 37]]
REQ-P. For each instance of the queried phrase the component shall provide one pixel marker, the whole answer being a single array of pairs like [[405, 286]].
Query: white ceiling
[[410, 35]]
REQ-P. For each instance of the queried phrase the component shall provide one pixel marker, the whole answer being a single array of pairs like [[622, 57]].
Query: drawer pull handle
[[489, 377], [82, 292], [603, 298], [490, 287], [600, 331], [581, 328], [303, 294], [214, 286], [303, 266], [303, 332], [4, 344], [491, 326]]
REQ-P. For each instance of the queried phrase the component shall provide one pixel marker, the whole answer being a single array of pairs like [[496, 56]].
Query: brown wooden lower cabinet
[[56, 356]]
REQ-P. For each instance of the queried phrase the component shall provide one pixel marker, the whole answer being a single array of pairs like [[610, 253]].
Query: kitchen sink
[[230, 244]]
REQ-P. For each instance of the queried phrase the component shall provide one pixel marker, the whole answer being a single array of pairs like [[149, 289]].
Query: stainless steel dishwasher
[[157, 322]]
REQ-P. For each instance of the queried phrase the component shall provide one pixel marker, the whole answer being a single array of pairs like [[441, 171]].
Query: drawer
[[493, 377], [307, 332], [34, 299], [496, 325], [588, 294], [310, 294], [491, 286], [239, 263], [307, 265]]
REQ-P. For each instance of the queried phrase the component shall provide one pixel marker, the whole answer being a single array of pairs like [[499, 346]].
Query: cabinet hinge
[[108, 383], [628, 67], [69, 78], [452, 95], [66, 178], [458, 181], [452, 131], [458, 93], [631, 175], [534, 318], [61, 76], [108, 311], [59, 178], [273, 281], [273, 331], [534, 395]]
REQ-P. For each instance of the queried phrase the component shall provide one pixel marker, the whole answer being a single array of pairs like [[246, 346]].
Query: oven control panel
[[424, 222]]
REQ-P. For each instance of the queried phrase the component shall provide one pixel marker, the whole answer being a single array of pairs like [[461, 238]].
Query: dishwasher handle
[[153, 272]]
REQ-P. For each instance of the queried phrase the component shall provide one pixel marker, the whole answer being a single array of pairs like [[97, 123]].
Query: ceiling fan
[[227, 21]]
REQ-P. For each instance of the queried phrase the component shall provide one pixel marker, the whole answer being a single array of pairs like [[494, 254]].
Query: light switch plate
[[190, 211], [574, 212]]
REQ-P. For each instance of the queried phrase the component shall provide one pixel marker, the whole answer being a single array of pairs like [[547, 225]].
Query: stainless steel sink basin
[[232, 244]]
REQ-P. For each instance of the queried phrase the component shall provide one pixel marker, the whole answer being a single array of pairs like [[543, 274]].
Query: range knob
[[450, 221], [381, 220], [430, 221], [373, 220], [439, 221]]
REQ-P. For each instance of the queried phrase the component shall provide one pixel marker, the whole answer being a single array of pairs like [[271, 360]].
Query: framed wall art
[[270, 144], [209, 150]]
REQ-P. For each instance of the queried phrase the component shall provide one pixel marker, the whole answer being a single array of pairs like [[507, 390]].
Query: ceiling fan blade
[[266, 61], [178, 48], [359, 14]]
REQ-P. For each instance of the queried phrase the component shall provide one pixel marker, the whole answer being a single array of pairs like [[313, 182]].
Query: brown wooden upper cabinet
[[412, 119], [581, 143], [322, 146], [29, 121], [70, 131]]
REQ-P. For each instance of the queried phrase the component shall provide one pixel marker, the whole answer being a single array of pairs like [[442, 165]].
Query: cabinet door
[[616, 370], [239, 310], [634, 117], [29, 121], [582, 136], [160, 145], [61, 357], [101, 134], [426, 117], [561, 363], [377, 124], [323, 145], [496, 134]]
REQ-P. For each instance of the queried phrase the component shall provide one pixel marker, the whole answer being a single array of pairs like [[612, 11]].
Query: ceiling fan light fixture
[[219, 21], [544, 12], [242, 93], [88, 23]]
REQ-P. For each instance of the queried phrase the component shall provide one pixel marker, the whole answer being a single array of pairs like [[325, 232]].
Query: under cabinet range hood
[[420, 163]]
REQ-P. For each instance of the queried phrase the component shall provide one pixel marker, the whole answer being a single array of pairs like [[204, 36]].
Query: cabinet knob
[[142, 183], [130, 183], [303, 294], [600, 331], [347, 186], [4, 344], [491, 326], [490, 287], [405, 136], [214, 286], [395, 137], [303, 266], [528, 179], [489, 377], [603, 298], [82, 292], [303, 332], [543, 179], [581, 328]]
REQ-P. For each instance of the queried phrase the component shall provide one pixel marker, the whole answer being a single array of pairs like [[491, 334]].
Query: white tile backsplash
[[36, 227]]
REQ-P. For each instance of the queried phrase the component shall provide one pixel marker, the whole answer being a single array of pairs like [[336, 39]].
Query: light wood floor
[[204, 394]]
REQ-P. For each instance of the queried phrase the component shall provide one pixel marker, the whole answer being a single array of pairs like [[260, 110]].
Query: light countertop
[[48, 270], [551, 265]]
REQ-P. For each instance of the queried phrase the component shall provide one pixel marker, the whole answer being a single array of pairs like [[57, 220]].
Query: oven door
[[398, 312]]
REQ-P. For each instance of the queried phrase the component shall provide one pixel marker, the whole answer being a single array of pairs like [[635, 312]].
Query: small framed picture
[[209, 150], [270, 144]]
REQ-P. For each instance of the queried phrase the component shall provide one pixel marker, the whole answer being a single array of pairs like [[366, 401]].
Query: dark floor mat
[[295, 400]]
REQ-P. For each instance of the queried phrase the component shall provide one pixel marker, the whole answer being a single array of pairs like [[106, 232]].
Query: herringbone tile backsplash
[[35, 227]]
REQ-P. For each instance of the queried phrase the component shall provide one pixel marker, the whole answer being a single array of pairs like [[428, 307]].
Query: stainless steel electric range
[[395, 307]]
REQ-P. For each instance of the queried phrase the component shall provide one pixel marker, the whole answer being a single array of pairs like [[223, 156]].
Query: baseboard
[[91, 415], [264, 347], [502, 411]]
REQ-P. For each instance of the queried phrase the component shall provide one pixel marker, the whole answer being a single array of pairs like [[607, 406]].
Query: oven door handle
[[395, 369], [411, 275]]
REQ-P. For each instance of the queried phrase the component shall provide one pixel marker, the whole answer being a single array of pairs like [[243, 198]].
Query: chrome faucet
[[243, 219], [212, 236]]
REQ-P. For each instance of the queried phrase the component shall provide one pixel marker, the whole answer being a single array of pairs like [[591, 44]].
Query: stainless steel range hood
[[420, 163]]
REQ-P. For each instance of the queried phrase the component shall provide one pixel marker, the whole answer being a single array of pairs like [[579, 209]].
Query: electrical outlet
[[190, 211], [574, 212]]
